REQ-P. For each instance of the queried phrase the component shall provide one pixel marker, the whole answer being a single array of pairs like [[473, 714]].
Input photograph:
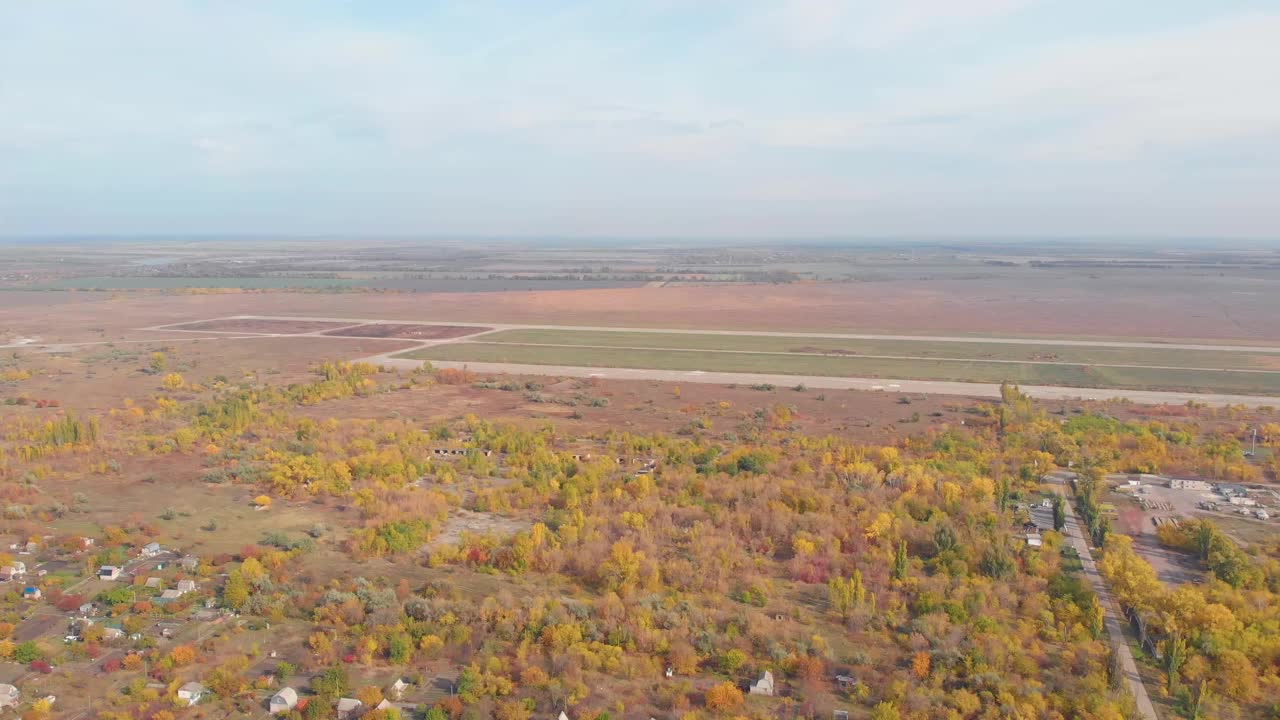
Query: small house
[[845, 682], [192, 692], [1262, 514], [153, 582], [19, 567], [109, 572], [839, 715], [349, 708], [283, 701], [31, 592], [189, 563], [8, 695], [7, 574], [1034, 541], [763, 685], [87, 609], [397, 688], [151, 549], [112, 633], [185, 586], [169, 595]]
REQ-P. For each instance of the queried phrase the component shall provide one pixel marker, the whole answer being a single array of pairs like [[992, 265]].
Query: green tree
[[1059, 513], [846, 594], [900, 561]]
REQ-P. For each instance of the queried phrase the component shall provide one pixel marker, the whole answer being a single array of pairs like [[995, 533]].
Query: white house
[[192, 692], [108, 572], [397, 688], [283, 701], [349, 708], [762, 686], [186, 586], [151, 549], [8, 695]]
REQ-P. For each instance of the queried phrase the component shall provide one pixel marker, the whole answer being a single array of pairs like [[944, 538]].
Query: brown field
[[1054, 307], [407, 331], [251, 325]]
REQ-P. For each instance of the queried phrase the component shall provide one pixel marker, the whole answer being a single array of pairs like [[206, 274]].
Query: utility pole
[[1254, 449]]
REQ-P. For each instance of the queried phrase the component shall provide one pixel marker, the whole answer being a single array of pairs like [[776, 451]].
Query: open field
[[822, 365], [407, 331], [1046, 308], [923, 348]]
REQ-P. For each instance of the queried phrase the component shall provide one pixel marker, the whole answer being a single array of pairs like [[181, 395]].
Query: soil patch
[[408, 332]]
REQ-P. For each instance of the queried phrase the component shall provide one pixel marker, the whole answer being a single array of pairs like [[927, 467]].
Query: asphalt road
[[1111, 609], [843, 336]]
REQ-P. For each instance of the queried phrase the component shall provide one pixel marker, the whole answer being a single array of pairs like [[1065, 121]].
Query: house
[[8, 695], [1262, 514], [845, 682], [562, 716], [112, 633], [7, 574], [1242, 500], [397, 688], [87, 609], [192, 692], [31, 592], [153, 582], [151, 549], [839, 715], [169, 595], [1181, 484], [108, 572], [763, 685], [283, 701], [19, 567], [1034, 541], [186, 586], [189, 563], [349, 708], [87, 542]]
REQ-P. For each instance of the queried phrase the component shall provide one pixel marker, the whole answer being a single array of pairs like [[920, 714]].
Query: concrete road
[[936, 387], [1128, 666]]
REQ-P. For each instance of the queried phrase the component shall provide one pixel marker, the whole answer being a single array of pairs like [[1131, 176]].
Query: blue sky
[[686, 118]]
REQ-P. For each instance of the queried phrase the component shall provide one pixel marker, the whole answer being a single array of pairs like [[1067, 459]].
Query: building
[[1262, 514], [151, 549], [112, 633], [189, 563], [8, 695], [1231, 490], [31, 592], [349, 708], [397, 688], [87, 609], [1242, 501], [1180, 484], [845, 682], [108, 572], [169, 595], [283, 701], [19, 567], [185, 586], [763, 685], [192, 692]]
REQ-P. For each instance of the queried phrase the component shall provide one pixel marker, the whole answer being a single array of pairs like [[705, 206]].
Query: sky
[[645, 118]]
